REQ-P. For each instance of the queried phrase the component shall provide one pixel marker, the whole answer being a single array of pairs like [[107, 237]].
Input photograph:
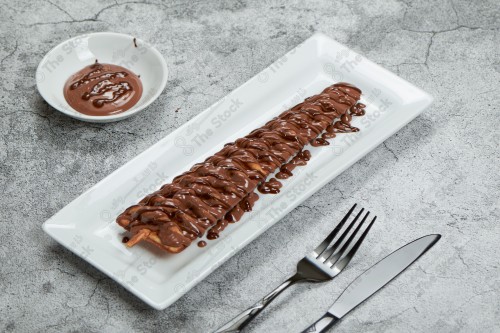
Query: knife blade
[[373, 280]]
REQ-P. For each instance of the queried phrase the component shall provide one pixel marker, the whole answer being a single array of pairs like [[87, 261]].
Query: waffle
[[219, 190]]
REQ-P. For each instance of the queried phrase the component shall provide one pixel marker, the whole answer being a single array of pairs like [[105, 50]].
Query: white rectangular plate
[[86, 226]]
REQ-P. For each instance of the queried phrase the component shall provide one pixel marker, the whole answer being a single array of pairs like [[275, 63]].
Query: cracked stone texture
[[439, 174]]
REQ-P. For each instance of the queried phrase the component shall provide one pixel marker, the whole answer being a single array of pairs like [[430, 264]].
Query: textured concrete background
[[439, 174]]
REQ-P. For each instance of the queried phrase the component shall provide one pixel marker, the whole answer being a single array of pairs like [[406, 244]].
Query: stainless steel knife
[[372, 280]]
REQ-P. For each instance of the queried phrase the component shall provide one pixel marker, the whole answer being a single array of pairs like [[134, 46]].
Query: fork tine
[[326, 254], [342, 263], [321, 247], [332, 259]]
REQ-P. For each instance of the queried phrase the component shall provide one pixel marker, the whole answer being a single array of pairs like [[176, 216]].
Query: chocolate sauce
[[272, 186], [214, 234], [343, 125], [319, 142], [234, 215], [219, 190], [102, 90], [298, 160], [135, 42], [202, 244], [328, 135], [358, 110]]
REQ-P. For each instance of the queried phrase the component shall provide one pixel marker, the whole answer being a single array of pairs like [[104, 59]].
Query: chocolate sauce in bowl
[[102, 90]]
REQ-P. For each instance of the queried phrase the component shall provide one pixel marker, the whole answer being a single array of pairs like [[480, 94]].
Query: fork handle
[[322, 324], [236, 324]]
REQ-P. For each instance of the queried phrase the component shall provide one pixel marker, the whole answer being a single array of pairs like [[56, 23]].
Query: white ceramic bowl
[[72, 55]]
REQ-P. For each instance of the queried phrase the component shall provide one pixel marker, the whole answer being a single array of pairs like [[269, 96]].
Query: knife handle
[[322, 324]]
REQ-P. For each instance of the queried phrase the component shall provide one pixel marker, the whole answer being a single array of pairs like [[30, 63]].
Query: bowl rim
[[108, 118]]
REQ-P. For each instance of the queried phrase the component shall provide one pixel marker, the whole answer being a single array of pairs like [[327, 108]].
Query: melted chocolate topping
[[271, 186], [102, 89], [234, 215], [319, 142], [219, 190], [298, 160]]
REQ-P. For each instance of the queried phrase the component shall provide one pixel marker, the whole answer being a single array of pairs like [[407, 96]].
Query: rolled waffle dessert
[[220, 189]]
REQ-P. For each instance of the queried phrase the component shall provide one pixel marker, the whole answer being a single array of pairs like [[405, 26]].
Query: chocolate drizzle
[[234, 215], [319, 142], [298, 160], [103, 89], [219, 190], [271, 186]]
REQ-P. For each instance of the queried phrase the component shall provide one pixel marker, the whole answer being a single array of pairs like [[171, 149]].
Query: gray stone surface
[[439, 174]]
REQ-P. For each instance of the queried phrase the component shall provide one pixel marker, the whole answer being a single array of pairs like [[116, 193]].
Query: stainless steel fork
[[322, 264]]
